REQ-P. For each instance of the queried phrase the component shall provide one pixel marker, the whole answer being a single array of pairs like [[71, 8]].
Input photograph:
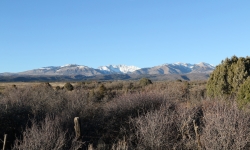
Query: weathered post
[[90, 147], [4, 141], [197, 135], [77, 127]]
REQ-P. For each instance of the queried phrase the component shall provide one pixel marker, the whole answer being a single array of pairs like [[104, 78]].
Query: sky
[[143, 33]]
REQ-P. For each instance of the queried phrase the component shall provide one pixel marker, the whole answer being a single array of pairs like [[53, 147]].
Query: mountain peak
[[206, 64], [72, 65], [118, 68], [69, 65]]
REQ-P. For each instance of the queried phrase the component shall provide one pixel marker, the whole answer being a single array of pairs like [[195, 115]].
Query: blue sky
[[143, 33]]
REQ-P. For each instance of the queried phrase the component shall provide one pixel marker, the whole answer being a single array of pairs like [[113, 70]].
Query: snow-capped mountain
[[202, 68], [74, 69], [120, 69], [177, 68], [69, 69]]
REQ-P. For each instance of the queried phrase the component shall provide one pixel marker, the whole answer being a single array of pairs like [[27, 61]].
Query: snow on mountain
[[202, 68], [177, 68], [73, 65], [69, 69], [183, 64], [203, 64], [118, 69], [74, 69], [64, 66], [188, 65]]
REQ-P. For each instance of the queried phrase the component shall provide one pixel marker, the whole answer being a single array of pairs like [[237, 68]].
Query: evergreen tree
[[228, 76], [243, 95]]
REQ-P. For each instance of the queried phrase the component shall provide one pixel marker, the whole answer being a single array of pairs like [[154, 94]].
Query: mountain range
[[74, 69], [185, 71]]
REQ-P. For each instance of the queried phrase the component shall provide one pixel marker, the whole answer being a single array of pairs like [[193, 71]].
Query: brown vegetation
[[121, 115]]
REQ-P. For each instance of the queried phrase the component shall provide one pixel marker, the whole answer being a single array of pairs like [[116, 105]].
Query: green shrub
[[58, 88], [243, 95], [14, 86], [228, 76], [101, 92], [69, 86], [145, 81]]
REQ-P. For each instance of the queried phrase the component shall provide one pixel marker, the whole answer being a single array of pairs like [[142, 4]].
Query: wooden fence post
[[197, 135], [4, 141], [77, 127]]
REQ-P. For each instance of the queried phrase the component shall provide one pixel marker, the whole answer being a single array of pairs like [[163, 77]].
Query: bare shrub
[[14, 112], [19, 96], [22, 104], [186, 113], [120, 145], [135, 102], [157, 116], [197, 93], [13, 118], [118, 85], [46, 135], [226, 127], [172, 90], [156, 129], [170, 127], [117, 112]]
